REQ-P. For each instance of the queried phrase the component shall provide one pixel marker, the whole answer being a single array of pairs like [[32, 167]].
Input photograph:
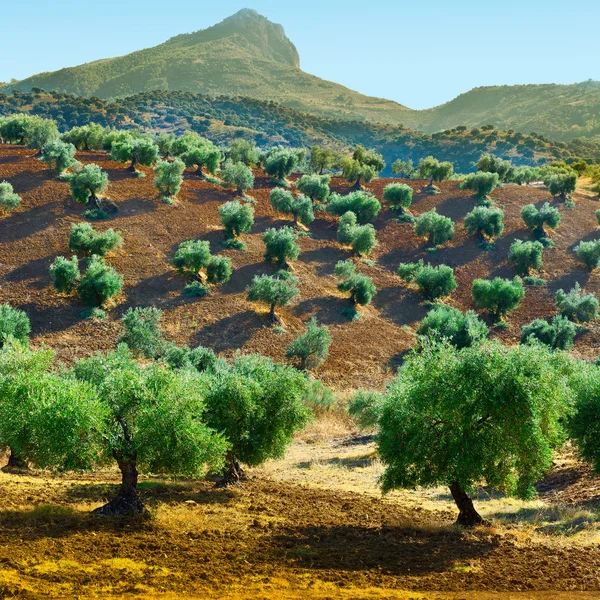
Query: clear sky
[[418, 53]]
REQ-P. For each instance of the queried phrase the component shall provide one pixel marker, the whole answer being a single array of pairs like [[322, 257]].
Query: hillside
[[244, 55], [363, 353], [224, 119]]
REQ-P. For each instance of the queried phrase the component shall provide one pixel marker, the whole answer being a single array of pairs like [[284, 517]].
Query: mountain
[[562, 112], [244, 55]]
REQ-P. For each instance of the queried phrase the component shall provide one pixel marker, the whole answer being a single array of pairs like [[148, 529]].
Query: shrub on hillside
[[498, 296], [300, 207], [558, 335], [535, 218], [562, 184], [576, 305], [363, 204], [85, 239], [360, 287], [589, 253], [14, 323], [280, 245], [485, 222], [237, 218], [448, 323], [237, 175], [525, 256], [280, 164], [408, 271], [142, 331], [273, 290], [437, 228], [399, 195], [483, 184], [360, 237], [316, 187], [435, 282], [8, 199], [58, 156], [65, 274], [311, 348], [219, 270], [168, 177], [100, 283]]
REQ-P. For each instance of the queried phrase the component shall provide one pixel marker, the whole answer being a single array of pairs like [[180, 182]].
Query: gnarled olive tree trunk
[[127, 501], [467, 515]]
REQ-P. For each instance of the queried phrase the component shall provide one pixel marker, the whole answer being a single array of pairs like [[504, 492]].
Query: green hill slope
[[244, 55]]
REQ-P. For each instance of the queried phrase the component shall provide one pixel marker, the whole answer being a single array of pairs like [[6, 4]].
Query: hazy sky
[[418, 53]]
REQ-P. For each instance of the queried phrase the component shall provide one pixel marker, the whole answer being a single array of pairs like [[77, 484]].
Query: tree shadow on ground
[[133, 207], [327, 309], [390, 550], [23, 224], [158, 288], [51, 319], [400, 305], [24, 181], [35, 273], [230, 333], [324, 259]]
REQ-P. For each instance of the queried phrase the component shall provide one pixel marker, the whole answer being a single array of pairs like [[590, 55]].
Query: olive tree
[[458, 328], [58, 156], [525, 256], [138, 151], [562, 184], [316, 187], [437, 228], [152, 421], [280, 245], [8, 199], [194, 260], [498, 296], [203, 154], [86, 137], [323, 159], [164, 141], [404, 168], [14, 323], [434, 170], [142, 332], [485, 222], [168, 177], [399, 195], [87, 183], [535, 218], [364, 165], [449, 419], [85, 239], [65, 274], [243, 151], [311, 348], [483, 184], [363, 204], [237, 218], [274, 290], [100, 283], [360, 287], [576, 305], [435, 282], [239, 176], [300, 207], [360, 237], [280, 164], [559, 334], [488, 163]]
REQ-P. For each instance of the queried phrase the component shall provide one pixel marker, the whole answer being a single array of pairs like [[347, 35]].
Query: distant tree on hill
[[138, 151], [168, 177], [488, 163], [498, 296], [273, 290], [437, 228], [311, 348], [316, 187], [434, 170], [360, 237], [58, 156], [243, 151], [398, 195], [239, 176], [87, 183], [562, 184], [404, 168], [164, 141], [363, 204], [323, 159], [8, 199], [364, 165]]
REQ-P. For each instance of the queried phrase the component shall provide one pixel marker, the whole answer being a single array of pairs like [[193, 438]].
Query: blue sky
[[418, 53]]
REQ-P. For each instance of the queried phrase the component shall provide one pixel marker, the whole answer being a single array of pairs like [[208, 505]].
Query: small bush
[[408, 271], [8, 199], [482, 183], [460, 329], [525, 256], [435, 282], [316, 187], [363, 204], [14, 323], [195, 289], [559, 334], [218, 270], [365, 408], [142, 331], [168, 177], [191, 257], [589, 253], [95, 214], [311, 348], [84, 239], [498, 296], [399, 195], [576, 305], [485, 221], [437, 228], [100, 283], [280, 245], [65, 274]]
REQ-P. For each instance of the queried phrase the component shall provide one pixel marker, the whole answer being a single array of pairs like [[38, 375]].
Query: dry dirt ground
[[313, 525], [364, 352]]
